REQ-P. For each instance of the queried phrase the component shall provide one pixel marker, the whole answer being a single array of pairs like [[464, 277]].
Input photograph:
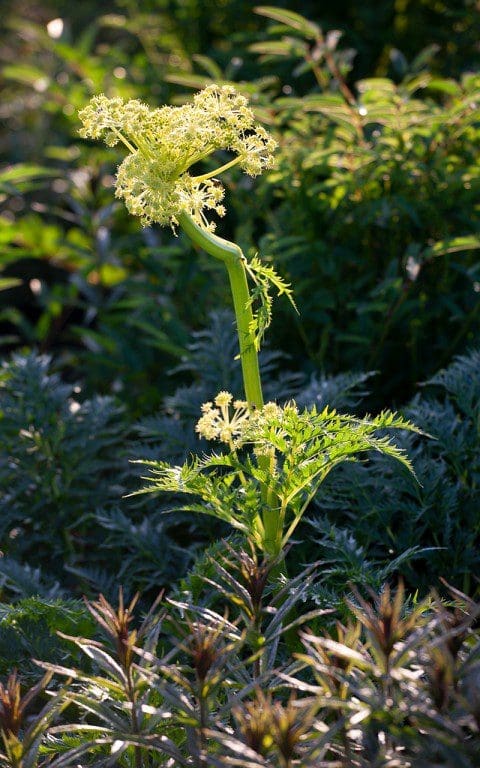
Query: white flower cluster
[[241, 426], [217, 423], [164, 143]]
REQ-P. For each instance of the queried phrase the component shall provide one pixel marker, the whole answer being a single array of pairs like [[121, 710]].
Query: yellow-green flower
[[164, 144], [218, 423]]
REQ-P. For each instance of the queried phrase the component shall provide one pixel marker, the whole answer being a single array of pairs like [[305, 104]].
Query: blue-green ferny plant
[[275, 457]]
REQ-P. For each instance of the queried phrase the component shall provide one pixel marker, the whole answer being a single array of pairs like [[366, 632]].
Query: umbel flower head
[[219, 423], [164, 143]]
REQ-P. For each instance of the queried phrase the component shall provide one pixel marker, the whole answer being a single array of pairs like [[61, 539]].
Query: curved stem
[[234, 260]]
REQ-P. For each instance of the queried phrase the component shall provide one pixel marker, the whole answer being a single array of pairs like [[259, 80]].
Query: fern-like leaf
[[264, 278]]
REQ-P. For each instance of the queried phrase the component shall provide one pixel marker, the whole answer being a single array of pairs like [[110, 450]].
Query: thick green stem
[[234, 260]]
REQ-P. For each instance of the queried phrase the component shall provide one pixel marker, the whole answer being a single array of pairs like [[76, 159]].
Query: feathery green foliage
[[59, 458], [28, 631], [267, 501]]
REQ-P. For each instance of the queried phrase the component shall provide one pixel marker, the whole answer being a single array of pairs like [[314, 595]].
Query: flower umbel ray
[[164, 143]]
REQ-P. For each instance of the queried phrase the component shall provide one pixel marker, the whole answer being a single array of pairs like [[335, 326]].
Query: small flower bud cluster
[[243, 425], [268, 419], [216, 423], [164, 143]]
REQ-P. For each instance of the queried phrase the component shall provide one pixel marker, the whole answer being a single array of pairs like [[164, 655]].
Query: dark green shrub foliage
[[372, 210], [29, 630], [63, 470], [379, 512], [59, 460], [371, 520], [374, 215]]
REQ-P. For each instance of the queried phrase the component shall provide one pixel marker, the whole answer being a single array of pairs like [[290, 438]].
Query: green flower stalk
[[157, 184]]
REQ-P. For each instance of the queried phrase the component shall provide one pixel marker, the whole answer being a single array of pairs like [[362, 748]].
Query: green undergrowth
[[256, 681], [369, 519]]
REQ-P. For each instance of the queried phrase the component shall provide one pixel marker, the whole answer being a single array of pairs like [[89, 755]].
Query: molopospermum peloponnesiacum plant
[[276, 457]]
